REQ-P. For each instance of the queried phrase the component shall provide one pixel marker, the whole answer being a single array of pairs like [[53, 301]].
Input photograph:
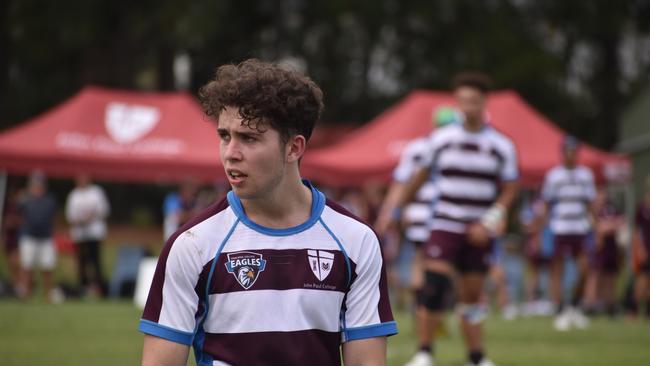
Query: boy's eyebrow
[[240, 133]]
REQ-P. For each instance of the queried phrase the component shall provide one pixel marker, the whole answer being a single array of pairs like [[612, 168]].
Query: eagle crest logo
[[245, 267]]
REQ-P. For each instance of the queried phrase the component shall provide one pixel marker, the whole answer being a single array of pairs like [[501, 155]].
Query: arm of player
[[413, 186], [168, 319], [385, 218], [161, 352], [365, 352]]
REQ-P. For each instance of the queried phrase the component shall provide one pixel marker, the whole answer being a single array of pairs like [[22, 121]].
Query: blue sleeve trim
[[371, 331], [161, 331]]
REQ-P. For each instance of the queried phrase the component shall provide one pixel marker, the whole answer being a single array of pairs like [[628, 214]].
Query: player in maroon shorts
[[476, 176]]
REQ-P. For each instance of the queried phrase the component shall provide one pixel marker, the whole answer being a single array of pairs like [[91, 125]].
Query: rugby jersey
[[469, 167], [568, 192], [419, 212], [245, 294]]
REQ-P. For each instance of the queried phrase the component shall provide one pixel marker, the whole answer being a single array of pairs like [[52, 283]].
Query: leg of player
[[578, 319], [431, 303], [472, 314], [561, 322]]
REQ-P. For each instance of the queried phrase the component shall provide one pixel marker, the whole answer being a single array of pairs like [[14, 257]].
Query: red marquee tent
[[371, 152], [117, 135]]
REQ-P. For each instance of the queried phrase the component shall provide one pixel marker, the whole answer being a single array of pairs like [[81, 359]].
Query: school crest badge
[[246, 267], [321, 263]]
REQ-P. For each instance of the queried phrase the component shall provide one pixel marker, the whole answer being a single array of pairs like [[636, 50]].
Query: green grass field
[[104, 333]]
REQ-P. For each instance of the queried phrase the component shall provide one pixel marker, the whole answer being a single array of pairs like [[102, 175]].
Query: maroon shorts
[[569, 245], [455, 249]]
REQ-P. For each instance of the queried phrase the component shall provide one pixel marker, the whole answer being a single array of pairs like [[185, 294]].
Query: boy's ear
[[295, 148]]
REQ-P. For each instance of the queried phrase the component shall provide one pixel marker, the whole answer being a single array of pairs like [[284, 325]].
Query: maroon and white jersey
[[419, 212], [468, 168], [569, 192], [245, 294]]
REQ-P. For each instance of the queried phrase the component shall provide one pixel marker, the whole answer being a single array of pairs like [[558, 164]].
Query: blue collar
[[317, 206]]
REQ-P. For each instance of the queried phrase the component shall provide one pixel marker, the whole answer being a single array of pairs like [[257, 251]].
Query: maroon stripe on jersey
[[385, 312], [452, 172], [307, 347], [442, 216], [154, 300], [468, 146], [284, 270], [467, 201], [497, 154]]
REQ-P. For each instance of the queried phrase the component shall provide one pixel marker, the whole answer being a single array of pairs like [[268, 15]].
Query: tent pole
[[3, 191]]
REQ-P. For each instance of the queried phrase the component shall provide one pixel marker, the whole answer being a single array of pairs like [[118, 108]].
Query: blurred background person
[[469, 213], [641, 245], [11, 222], [600, 289], [568, 192], [538, 242], [179, 207], [86, 211], [36, 244]]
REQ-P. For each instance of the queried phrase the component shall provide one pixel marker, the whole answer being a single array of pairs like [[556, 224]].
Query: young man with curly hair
[[274, 274]]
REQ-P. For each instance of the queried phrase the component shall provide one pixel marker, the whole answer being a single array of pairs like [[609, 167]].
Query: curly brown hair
[[266, 95], [476, 80]]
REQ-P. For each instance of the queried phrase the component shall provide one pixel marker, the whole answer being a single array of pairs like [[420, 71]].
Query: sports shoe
[[562, 322], [510, 312], [484, 362], [578, 319], [421, 359]]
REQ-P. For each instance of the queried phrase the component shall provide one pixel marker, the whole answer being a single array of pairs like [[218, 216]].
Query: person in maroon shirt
[[641, 242]]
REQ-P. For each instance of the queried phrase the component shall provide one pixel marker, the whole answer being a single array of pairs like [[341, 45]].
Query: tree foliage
[[580, 62]]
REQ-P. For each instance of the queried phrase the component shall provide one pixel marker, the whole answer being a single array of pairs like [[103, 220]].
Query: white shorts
[[37, 253]]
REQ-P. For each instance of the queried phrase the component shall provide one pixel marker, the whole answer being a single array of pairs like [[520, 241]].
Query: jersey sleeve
[[590, 186], [367, 307], [405, 168], [173, 301], [510, 167]]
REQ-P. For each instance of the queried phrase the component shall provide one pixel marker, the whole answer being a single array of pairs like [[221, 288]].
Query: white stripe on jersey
[[467, 188], [244, 238], [259, 311], [461, 212]]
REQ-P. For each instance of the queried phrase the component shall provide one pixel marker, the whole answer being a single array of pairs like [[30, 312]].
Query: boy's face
[[471, 102], [254, 162]]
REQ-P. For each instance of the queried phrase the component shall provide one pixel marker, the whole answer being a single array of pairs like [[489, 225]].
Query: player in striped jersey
[[476, 178], [568, 192], [275, 274]]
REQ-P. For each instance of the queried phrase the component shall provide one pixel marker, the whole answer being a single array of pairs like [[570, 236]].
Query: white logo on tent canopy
[[320, 263], [127, 123]]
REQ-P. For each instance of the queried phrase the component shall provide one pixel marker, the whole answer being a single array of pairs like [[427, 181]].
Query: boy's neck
[[288, 205]]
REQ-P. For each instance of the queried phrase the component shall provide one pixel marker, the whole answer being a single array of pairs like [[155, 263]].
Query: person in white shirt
[[86, 211]]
